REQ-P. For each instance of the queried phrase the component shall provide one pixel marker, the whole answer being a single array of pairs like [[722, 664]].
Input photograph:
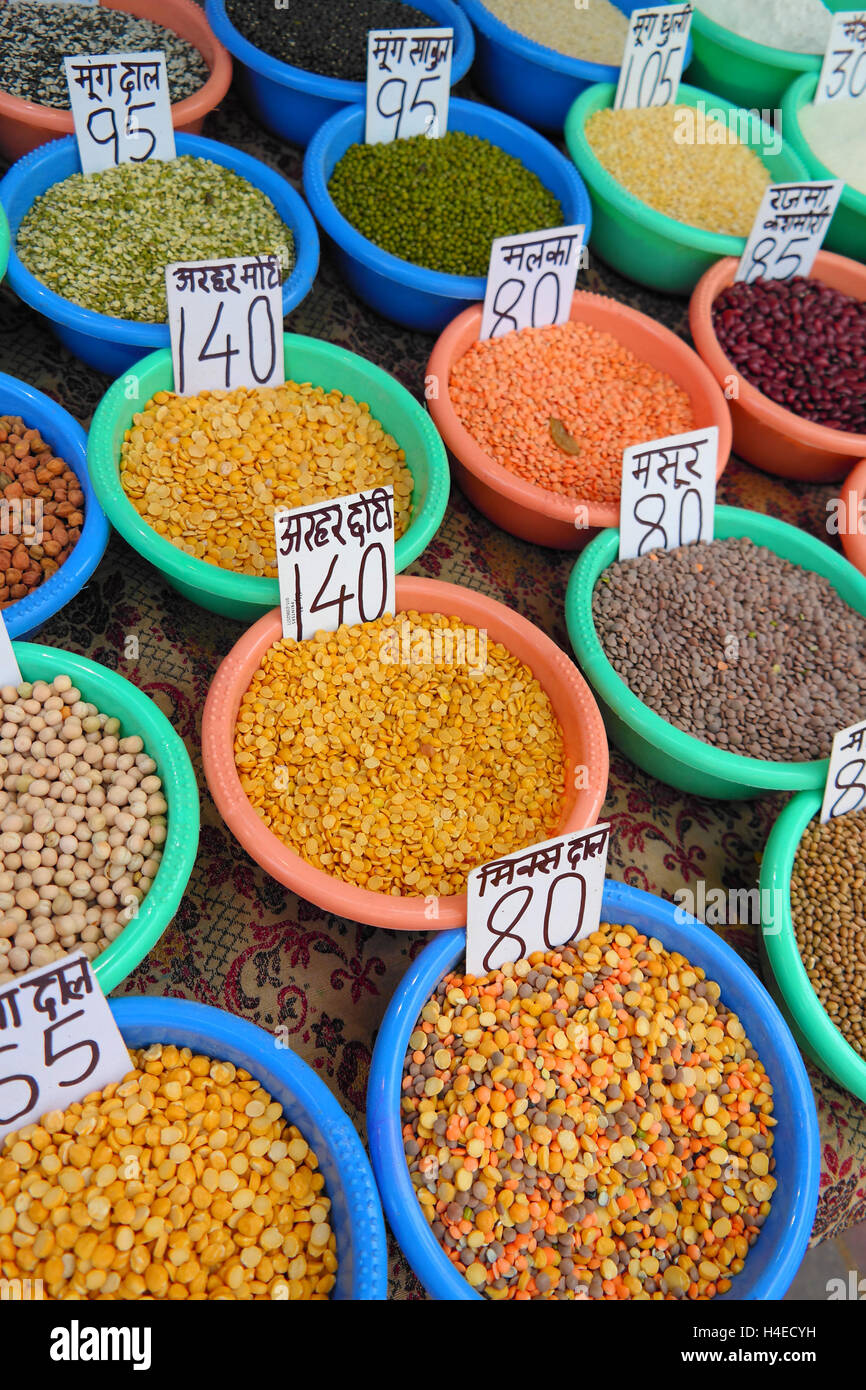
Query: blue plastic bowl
[[69, 442], [293, 102], [409, 294], [774, 1260], [355, 1209], [109, 344], [534, 83]]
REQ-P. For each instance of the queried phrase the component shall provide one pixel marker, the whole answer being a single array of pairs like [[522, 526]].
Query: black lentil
[[324, 36]]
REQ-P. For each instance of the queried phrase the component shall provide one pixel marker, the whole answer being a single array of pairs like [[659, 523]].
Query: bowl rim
[[750, 48], [719, 277], [854, 545], [246, 1040], [316, 885], [521, 491], [827, 1044], [5, 241], [415, 277], [443, 953], [801, 93], [288, 203], [674, 743], [224, 583], [69, 442]]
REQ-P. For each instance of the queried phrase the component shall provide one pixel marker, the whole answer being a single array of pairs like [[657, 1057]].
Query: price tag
[[843, 73], [225, 319], [652, 63], [668, 492], [121, 109], [335, 562], [408, 83], [530, 280], [9, 672], [845, 788], [789, 229], [58, 1041]]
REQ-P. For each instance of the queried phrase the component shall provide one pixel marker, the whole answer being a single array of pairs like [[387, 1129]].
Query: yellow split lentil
[[207, 472], [183, 1181], [712, 183], [400, 767]]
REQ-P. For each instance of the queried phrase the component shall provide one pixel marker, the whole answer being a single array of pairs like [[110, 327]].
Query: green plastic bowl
[[754, 75], [651, 742], [120, 699], [639, 242], [847, 232], [785, 972], [246, 596]]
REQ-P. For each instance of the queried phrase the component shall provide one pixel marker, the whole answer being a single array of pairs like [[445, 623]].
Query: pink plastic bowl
[[766, 434], [26, 124], [852, 523], [525, 509], [583, 733]]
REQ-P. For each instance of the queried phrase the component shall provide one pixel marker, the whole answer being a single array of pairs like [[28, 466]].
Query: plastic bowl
[[852, 530], [410, 294], [5, 240], [526, 509], [528, 80], [786, 974], [772, 1263], [645, 245], [847, 232], [69, 442], [26, 124], [246, 596], [654, 744], [749, 73], [356, 1212], [583, 733], [767, 434], [293, 102], [138, 714], [110, 344]]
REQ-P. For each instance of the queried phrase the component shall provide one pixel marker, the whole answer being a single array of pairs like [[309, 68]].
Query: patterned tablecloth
[[243, 943]]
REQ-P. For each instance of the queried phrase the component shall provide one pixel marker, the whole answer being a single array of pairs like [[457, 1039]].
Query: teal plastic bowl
[[5, 242], [246, 596], [753, 75], [645, 245], [120, 699], [847, 232], [784, 970], [651, 742]]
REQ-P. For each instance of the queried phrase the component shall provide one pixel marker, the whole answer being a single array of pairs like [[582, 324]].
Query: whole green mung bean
[[440, 203], [103, 240]]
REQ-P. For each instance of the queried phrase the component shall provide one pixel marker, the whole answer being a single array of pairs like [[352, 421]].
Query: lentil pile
[[208, 471], [596, 34], [82, 825], [828, 911], [183, 1181], [801, 343], [35, 38], [510, 391], [715, 186], [103, 240], [324, 36], [400, 776], [41, 512], [836, 134], [733, 644], [440, 203], [591, 1122]]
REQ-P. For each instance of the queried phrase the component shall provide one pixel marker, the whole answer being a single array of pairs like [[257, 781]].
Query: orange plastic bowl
[[525, 509], [26, 124], [573, 703], [766, 434], [852, 520]]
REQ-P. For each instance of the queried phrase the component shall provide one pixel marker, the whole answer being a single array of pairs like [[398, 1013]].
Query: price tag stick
[[121, 108], [843, 72], [789, 229], [652, 61], [668, 493], [845, 788], [531, 279], [408, 83]]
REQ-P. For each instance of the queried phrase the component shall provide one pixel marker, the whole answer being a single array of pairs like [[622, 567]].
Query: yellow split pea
[[208, 472]]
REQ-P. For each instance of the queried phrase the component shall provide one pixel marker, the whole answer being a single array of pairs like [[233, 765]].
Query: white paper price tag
[[335, 562], [668, 492], [652, 62], [408, 83], [845, 788], [787, 233], [536, 899], [9, 672], [58, 1041], [531, 279], [225, 319], [843, 73], [121, 108]]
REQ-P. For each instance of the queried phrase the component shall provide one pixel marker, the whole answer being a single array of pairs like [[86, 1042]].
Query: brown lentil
[[42, 500]]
